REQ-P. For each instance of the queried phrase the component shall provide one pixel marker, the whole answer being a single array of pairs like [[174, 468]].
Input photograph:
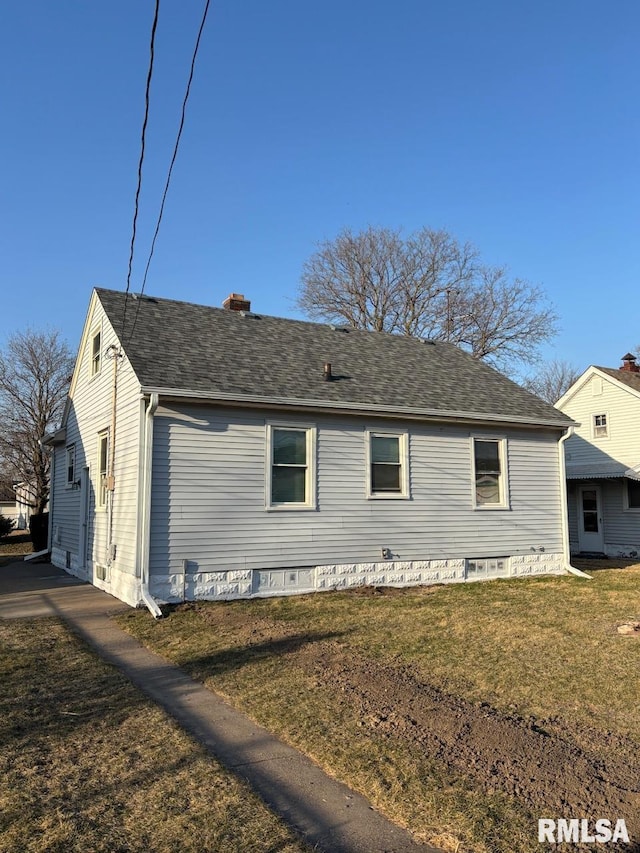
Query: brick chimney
[[629, 363], [236, 302]]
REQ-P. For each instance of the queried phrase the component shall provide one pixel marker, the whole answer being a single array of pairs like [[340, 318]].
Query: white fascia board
[[254, 400], [577, 386]]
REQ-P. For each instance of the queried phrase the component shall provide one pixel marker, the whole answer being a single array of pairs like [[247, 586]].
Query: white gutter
[[354, 407], [565, 509], [145, 510]]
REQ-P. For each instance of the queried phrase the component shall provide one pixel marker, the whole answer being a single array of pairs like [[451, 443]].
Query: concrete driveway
[[40, 589]]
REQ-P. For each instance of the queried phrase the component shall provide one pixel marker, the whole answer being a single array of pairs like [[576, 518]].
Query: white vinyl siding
[[622, 408], [89, 413], [602, 396], [208, 505]]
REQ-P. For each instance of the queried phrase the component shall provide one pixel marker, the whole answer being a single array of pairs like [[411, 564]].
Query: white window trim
[[625, 499], [310, 482], [403, 494], [97, 330], [100, 505], [504, 471], [71, 448], [593, 426]]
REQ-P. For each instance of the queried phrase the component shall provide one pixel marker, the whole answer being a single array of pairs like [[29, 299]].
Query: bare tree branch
[[35, 368], [552, 380], [426, 285]]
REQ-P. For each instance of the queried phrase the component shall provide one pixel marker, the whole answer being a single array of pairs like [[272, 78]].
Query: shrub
[[6, 526]]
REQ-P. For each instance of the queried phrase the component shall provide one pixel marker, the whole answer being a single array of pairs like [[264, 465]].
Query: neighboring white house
[[603, 460], [217, 453], [15, 503]]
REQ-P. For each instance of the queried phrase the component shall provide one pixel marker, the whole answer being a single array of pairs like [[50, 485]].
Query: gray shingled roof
[[220, 353], [627, 377]]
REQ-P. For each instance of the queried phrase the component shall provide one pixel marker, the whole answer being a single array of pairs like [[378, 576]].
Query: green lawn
[[544, 648]]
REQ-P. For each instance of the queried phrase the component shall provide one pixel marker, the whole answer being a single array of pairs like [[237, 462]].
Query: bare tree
[[552, 380], [426, 285], [34, 378]]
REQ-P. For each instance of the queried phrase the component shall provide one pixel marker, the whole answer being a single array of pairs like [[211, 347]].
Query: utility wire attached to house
[[147, 98], [173, 160]]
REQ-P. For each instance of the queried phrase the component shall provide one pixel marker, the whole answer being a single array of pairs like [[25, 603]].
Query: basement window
[[493, 567]]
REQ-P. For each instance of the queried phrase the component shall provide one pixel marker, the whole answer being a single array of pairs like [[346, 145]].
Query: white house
[[603, 460], [16, 503], [217, 453]]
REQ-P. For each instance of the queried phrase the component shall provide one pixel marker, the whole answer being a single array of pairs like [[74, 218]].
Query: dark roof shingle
[[627, 377], [217, 352]]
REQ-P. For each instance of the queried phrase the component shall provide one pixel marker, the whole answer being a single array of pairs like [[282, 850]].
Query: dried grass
[[546, 647], [88, 764]]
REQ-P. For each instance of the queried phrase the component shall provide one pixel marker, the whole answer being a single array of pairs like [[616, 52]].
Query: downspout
[[145, 527], [52, 480], [565, 509], [114, 353]]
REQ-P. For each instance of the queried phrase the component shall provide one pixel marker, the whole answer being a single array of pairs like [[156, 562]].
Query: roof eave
[[51, 439], [372, 409]]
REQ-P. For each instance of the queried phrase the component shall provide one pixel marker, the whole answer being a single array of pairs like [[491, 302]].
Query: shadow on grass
[[235, 658]]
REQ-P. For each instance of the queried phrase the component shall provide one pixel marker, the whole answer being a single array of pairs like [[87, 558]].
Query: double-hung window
[[600, 426], [290, 467], [633, 495], [388, 469], [490, 473], [96, 353], [103, 462], [71, 464]]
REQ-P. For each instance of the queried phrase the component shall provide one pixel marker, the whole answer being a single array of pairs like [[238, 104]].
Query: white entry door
[[590, 532]]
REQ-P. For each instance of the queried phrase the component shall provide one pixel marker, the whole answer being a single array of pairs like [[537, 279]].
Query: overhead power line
[[147, 98], [173, 159]]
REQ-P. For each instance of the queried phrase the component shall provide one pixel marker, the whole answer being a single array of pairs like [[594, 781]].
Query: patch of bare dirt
[[553, 769]]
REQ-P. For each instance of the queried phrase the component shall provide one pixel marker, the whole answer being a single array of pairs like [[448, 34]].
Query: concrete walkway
[[326, 813]]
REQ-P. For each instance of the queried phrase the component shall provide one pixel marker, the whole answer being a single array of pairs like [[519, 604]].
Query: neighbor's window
[[71, 464], [489, 472], [95, 353], [388, 475], [103, 461], [290, 478], [633, 494], [600, 426]]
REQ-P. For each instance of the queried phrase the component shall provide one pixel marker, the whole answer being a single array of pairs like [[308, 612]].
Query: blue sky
[[514, 125]]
